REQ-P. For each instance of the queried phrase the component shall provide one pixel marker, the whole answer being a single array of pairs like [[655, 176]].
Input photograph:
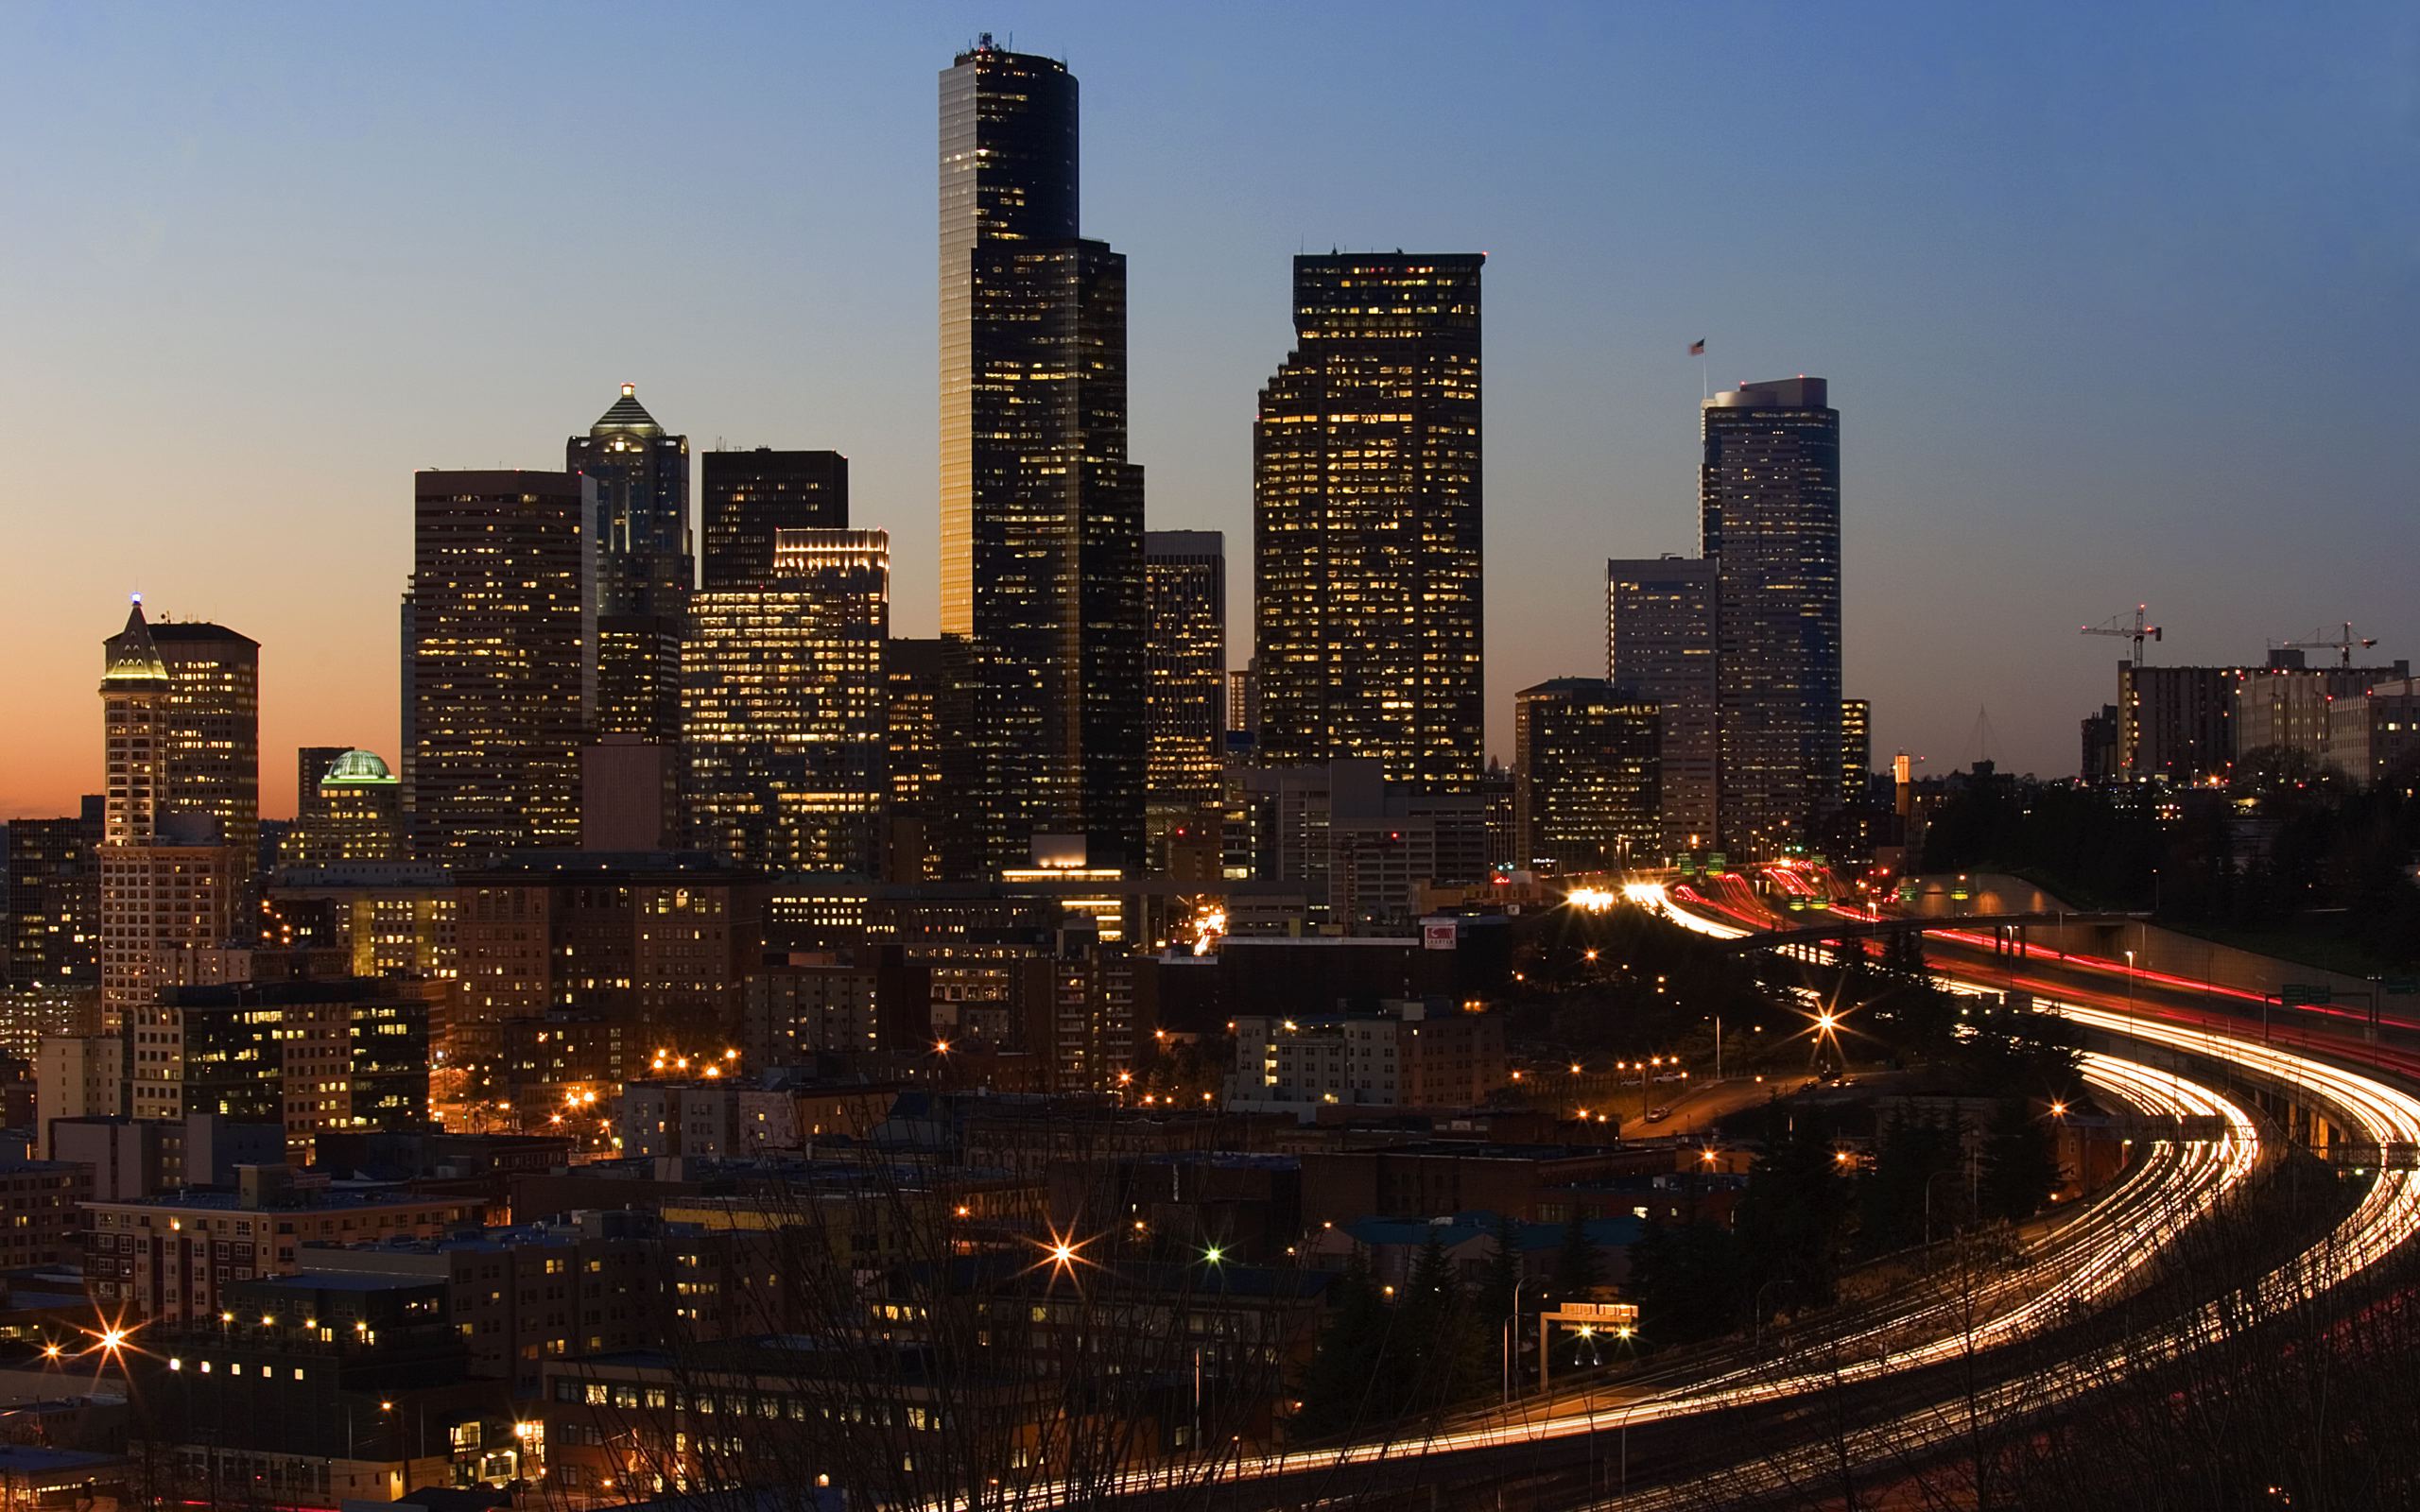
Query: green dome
[[357, 769]]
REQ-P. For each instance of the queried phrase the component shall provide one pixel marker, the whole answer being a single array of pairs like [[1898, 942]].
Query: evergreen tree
[[1688, 1282], [1891, 1197], [1579, 1270], [1792, 1215], [2020, 1159], [1443, 1347], [1346, 1386]]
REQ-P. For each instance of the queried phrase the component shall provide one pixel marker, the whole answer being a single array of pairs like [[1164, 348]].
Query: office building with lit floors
[[577, 967], [1185, 574], [1366, 522], [211, 726], [1042, 513], [1856, 749], [500, 669], [1659, 646], [169, 881], [351, 812], [322, 1392], [928, 696], [783, 729], [313, 1055], [1584, 777], [53, 911], [1769, 521], [168, 1260], [640, 526]]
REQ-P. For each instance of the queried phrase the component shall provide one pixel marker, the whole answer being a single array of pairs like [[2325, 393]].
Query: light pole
[[1511, 1326], [1929, 1181], [2130, 994], [1757, 1309]]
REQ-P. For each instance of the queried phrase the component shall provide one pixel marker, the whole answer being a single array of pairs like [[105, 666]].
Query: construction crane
[[2136, 632], [2343, 646]]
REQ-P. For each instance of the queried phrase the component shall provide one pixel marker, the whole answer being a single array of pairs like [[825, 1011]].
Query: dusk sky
[[2117, 302]]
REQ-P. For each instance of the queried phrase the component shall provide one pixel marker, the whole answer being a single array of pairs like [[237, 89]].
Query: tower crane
[[2136, 632], [2343, 646]]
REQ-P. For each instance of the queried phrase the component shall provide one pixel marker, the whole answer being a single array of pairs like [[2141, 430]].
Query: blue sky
[[2117, 302]]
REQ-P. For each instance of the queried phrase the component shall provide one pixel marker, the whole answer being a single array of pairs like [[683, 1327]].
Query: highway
[[2376, 1112], [2088, 1254]]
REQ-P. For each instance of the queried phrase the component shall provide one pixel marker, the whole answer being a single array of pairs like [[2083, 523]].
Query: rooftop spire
[[129, 655], [627, 414]]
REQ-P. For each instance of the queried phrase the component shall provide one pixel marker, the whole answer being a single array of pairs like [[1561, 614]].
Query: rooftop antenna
[[1982, 733]]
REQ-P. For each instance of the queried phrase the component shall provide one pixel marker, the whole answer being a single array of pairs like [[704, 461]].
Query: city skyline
[[194, 318]]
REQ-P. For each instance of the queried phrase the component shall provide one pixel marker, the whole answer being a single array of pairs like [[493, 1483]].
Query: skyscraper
[[782, 708], [1659, 645], [54, 903], [1185, 574], [1042, 514], [644, 568], [749, 495], [1584, 784], [502, 660], [1770, 509], [642, 487], [1856, 749], [927, 698], [1366, 493], [170, 880], [212, 725]]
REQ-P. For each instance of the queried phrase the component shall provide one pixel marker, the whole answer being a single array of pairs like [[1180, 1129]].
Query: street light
[[1511, 1321]]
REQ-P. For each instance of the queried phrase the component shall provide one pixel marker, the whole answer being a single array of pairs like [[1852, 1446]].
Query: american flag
[[1697, 348]]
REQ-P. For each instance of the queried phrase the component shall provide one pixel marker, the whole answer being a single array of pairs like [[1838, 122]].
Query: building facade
[[644, 566], [1659, 645], [1366, 525], [211, 726], [315, 1057], [169, 881], [355, 813], [54, 903], [1584, 777], [2176, 725], [1407, 1055], [1769, 521], [783, 729], [1185, 646], [610, 959], [1042, 513], [749, 495], [169, 1260], [2291, 707], [1856, 749], [501, 661], [2376, 737]]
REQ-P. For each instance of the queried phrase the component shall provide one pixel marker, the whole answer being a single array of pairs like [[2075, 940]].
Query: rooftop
[[626, 414]]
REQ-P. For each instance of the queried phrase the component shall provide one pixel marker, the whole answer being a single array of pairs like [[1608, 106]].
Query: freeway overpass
[[1845, 927]]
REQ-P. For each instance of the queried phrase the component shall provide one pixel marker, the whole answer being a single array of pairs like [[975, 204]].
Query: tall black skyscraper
[[751, 496], [1366, 522], [1042, 514], [1770, 507], [644, 567]]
